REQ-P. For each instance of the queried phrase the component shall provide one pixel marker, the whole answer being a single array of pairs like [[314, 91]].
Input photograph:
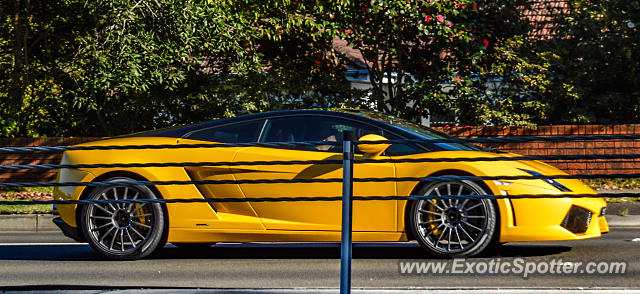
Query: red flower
[[427, 18], [458, 79], [475, 6], [449, 24], [364, 9], [485, 42], [458, 5], [348, 31], [440, 17]]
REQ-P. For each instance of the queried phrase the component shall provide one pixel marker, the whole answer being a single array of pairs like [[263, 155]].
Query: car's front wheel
[[123, 231], [453, 227]]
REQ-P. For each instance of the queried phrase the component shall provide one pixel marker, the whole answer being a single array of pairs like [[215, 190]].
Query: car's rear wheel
[[453, 227], [123, 231]]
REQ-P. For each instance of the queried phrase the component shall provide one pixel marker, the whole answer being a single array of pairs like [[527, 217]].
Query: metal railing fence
[[348, 161]]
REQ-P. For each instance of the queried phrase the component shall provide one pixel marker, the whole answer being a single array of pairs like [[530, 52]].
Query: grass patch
[[27, 189], [24, 209], [622, 199], [624, 212], [613, 184], [26, 193]]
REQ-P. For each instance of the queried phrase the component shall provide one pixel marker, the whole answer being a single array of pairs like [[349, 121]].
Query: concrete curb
[[27, 223], [357, 290], [43, 222], [623, 221]]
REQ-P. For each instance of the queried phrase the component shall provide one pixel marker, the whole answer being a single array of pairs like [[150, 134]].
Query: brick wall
[[38, 175], [530, 148], [566, 148]]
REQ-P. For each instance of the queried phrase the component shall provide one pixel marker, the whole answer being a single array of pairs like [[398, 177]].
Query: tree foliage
[[598, 72], [37, 42], [144, 63], [465, 56], [96, 68]]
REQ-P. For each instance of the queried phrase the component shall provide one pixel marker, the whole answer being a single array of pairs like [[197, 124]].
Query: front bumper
[[551, 219], [68, 230]]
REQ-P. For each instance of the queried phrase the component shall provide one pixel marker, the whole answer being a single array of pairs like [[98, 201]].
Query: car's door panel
[[238, 215], [314, 215]]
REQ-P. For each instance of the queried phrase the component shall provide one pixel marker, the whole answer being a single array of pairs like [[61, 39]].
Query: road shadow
[[49, 253], [332, 251], [266, 251]]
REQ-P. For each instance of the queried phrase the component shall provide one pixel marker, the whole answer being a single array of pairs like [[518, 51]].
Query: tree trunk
[[18, 79], [103, 123]]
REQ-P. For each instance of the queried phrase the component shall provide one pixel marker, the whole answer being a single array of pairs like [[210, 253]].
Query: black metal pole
[[347, 195]]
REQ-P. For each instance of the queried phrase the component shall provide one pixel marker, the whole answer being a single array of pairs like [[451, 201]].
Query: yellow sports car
[[444, 228]]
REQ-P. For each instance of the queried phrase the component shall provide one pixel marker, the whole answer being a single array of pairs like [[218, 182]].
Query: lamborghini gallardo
[[444, 228]]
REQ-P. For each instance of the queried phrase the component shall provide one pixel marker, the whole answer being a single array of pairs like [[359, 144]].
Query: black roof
[[179, 132]]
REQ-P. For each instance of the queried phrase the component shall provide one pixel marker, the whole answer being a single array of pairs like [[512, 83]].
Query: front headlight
[[502, 183]]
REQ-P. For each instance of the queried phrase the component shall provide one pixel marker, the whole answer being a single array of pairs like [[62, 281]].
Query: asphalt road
[[41, 259]]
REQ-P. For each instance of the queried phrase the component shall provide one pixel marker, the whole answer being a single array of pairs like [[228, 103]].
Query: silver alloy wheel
[[454, 226], [121, 227], [123, 230]]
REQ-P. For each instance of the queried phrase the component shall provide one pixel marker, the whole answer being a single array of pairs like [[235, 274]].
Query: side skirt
[[213, 235]]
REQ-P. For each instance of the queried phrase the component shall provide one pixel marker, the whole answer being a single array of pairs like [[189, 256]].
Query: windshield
[[420, 131]]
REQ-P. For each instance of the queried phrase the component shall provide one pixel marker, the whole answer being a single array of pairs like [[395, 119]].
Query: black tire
[[453, 228], [123, 231]]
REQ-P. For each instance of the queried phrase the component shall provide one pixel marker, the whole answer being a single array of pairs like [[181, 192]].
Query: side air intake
[[577, 220]]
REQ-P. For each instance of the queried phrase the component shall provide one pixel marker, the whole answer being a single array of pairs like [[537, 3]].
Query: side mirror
[[373, 150]]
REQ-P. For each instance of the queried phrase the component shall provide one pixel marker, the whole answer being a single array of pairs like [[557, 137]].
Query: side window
[[297, 129], [236, 133], [401, 149]]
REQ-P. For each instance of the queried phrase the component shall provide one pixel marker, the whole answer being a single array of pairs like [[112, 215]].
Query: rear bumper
[[68, 230]]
